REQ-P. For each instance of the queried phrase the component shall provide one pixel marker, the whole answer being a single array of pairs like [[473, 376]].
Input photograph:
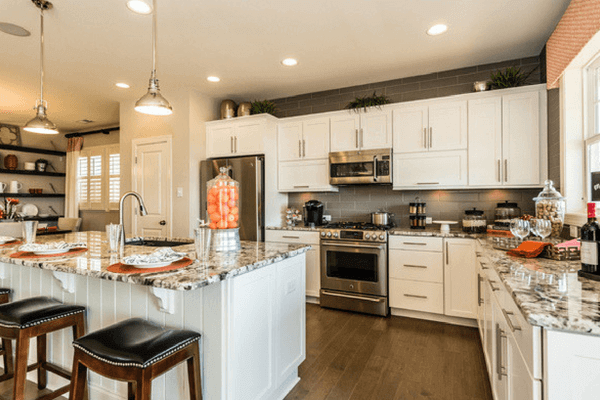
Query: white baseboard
[[287, 385], [312, 300], [398, 312]]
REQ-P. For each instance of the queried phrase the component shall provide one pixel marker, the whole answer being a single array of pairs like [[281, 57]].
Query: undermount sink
[[155, 243]]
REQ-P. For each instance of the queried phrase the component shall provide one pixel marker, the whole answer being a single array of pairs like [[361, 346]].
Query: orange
[[234, 210], [223, 198], [215, 217], [231, 218], [231, 203], [231, 225], [211, 208], [222, 225], [212, 225], [235, 216]]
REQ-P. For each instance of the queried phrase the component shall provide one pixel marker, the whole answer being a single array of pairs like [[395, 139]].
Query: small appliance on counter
[[417, 216], [503, 213], [474, 221], [313, 213]]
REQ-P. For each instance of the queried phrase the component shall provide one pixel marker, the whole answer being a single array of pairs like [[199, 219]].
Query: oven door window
[[352, 169], [352, 266]]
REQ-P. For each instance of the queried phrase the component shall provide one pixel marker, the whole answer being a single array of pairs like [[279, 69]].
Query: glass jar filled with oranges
[[222, 201]]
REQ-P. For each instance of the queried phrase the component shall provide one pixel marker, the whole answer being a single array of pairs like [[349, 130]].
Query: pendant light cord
[[153, 39], [42, 56]]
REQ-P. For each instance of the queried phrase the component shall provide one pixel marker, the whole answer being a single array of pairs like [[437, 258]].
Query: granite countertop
[[432, 231], [549, 293], [96, 260]]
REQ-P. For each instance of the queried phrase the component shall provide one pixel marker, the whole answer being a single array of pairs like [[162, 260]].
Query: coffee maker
[[313, 213]]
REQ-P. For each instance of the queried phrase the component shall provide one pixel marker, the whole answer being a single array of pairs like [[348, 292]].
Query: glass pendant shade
[[41, 123], [153, 103]]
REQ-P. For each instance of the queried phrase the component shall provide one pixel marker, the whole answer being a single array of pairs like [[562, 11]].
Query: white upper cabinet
[[239, 136], [290, 141], [430, 170], [345, 132], [485, 141], [430, 126], [365, 131], [507, 139], [304, 139], [219, 140]]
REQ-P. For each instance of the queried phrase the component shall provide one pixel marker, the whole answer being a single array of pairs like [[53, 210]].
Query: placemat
[[29, 254], [126, 269], [13, 243]]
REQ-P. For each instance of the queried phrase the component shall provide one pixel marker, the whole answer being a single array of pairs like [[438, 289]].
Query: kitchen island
[[248, 305]]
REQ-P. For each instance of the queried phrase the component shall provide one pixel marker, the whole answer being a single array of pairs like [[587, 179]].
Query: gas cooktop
[[355, 231], [364, 226]]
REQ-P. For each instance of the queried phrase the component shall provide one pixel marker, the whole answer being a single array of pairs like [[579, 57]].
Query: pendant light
[[41, 123], [153, 102]]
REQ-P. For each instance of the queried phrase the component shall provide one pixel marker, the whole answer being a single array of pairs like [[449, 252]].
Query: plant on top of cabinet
[[510, 77], [262, 107], [367, 101]]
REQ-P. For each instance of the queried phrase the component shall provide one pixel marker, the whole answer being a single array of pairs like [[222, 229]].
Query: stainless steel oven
[[360, 167], [354, 272]]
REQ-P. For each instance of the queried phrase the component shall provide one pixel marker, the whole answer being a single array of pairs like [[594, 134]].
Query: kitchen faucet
[[143, 211]]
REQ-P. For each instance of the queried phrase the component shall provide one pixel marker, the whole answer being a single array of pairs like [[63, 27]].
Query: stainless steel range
[[354, 267]]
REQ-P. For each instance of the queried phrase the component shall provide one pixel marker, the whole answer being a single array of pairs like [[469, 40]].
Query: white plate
[[153, 265], [29, 210], [51, 251], [6, 239]]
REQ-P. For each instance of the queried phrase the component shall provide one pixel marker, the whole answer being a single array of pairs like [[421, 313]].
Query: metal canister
[[228, 109], [244, 109]]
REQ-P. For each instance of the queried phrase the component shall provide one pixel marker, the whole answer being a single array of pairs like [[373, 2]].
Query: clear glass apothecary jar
[[222, 201], [551, 205]]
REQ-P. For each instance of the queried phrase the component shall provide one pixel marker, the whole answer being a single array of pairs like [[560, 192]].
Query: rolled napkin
[[164, 254], [571, 243], [51, 246], [529, 249]]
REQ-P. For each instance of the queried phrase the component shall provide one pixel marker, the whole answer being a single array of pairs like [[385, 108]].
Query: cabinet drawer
[[416, 243], [417, 296], [300, 237], [417, 265]]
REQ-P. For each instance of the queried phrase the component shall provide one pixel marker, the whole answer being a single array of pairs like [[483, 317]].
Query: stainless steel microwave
[[360, 167]]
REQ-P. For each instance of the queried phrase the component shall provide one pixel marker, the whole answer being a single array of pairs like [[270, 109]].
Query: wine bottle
[[590, 238]]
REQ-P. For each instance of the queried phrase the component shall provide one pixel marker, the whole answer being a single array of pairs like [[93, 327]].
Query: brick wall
[[437, 84]]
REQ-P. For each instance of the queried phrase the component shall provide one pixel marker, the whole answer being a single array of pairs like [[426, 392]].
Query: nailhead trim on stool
[[39, 321], [138, 365]]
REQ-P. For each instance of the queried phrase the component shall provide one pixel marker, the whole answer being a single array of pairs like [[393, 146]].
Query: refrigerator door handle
[[259, 202]]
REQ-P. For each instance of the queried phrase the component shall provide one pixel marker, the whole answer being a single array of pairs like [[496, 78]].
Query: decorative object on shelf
[[10, 207], [3, 187], [228, 109], [153, 103], [11, 162], [481, 86], [445, 225], [503, 213], [551, 205], [15, 186], [29, 166], [263, 107], [292, 216], [418, 219], [363, 103], [244, 109], [10, 135], [474, 221], [510, 77], [40, 123], [52, 187], [41, 165], [29, 210], [223, 211]]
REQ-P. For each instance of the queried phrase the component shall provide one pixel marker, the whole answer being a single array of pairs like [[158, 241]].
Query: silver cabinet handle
[[447, 254], [430, 137], [500, 334], [356, 131], [362, 137], [291, 237], [301, 187], [499, 173], [512, 327], [428, 183], [235, 143], [231, 143], [424, 138], [303, 148], [479, 299], [505, 170], [415, 243], [362, 246], [415, 266], [347, 296], [299, 148], [416, 296]]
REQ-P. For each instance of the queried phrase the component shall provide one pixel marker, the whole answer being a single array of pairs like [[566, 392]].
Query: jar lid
[[412, 204], [549, 193], [506, 204], [474, 211]]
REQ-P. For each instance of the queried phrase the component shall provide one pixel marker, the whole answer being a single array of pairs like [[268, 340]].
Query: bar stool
[[135, 351], [6, 344], [36, 317]]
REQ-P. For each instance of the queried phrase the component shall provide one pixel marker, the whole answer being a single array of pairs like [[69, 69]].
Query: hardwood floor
[[363, 357]]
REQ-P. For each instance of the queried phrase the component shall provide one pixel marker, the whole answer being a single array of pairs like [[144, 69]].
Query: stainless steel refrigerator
[[250, 173]]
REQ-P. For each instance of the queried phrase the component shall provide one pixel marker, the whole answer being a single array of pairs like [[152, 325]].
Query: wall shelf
[[24, 172], [31, 195], [32, 150]]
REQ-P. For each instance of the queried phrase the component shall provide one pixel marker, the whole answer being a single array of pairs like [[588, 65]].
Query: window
[[99, 182], [592, 131]]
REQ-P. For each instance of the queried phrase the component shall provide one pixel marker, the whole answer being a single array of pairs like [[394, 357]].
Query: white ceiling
[[90, 45]]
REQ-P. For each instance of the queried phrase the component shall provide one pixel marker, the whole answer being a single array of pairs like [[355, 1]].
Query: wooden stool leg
[[193, 367], [7, 356], [130, 390], [42, 374], [143, 390], [79, 327], [22, 354], [78, 379]]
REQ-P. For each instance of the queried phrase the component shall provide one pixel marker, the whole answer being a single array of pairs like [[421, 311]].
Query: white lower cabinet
[[417, 296], [305, 176], [460, 280], [313, 256]]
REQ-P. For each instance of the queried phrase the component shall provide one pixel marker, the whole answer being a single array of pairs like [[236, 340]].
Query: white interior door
[[152, 180]]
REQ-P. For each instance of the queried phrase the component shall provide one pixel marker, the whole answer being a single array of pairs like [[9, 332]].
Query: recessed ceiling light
[[13, 29], [213, 79], [139, 6], [437, 29], [122, 85], [289, 62]]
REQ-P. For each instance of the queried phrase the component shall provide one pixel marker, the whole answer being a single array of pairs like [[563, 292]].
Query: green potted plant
[[367, 101], [262, 107], [510, 77]]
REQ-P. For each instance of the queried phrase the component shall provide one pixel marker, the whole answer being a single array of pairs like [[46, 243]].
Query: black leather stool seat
[[134, 343], [5, 291], [34, 311]]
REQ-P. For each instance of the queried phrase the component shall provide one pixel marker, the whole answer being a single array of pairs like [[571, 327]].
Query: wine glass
[[534, 225], [520, 228], [543, 228]]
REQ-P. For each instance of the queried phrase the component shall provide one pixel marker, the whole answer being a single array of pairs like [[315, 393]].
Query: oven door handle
[[354, 246], [347, 296]]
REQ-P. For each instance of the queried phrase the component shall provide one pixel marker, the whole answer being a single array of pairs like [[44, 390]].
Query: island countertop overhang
[[94, 262]]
